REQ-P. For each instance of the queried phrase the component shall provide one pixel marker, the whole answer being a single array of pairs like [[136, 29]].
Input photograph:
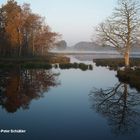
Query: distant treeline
[[22, 32]]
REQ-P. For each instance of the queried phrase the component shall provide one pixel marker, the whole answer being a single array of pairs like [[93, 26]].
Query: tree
[[44, 40], [2, 33], [13, 24], [23, 32], [120, 30], [61, 45], [33, 24]]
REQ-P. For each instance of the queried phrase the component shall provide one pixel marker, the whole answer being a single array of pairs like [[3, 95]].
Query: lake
[[68, 104]]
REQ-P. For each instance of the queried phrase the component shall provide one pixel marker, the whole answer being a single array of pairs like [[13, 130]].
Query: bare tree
[[121, 29]]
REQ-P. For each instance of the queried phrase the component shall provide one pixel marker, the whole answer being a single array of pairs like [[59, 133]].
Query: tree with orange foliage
[[23, 32]]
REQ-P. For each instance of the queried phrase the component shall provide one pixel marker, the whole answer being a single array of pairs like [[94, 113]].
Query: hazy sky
[[74, 19]]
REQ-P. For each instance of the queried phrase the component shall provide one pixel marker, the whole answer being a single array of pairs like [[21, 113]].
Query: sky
[[75, 20]]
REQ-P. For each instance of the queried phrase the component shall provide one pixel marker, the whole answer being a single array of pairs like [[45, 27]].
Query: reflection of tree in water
[[119, 105], [19, 87]]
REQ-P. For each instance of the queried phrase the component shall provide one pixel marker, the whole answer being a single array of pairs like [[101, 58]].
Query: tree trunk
[[33, 47], [126, 58], [19, 42], [42, 50], [20, 49]]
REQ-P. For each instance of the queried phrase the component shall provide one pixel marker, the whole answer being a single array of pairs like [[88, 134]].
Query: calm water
[[68, 104]]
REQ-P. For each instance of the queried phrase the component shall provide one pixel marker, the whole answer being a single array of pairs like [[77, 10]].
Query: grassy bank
[[116, 62], [42, 62], [131, 77], [81, 66], [49, 59]]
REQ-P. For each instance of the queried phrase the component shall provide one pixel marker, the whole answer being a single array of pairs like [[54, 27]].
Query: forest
[[23, 32]]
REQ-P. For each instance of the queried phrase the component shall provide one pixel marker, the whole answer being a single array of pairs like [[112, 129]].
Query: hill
[[92, 46]]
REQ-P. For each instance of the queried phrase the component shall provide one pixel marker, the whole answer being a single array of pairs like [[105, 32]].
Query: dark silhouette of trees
[[23, 32], [61, 45], [121, 29]]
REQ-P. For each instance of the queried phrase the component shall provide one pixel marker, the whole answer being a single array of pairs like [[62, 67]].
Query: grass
[[47, 59], [32, 62], [131, 76], [36, 66], [81, 66], [39, 64], [116, 62]]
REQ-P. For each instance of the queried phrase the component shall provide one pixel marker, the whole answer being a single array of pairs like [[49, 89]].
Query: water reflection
[[119, 105], [19, 87]]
